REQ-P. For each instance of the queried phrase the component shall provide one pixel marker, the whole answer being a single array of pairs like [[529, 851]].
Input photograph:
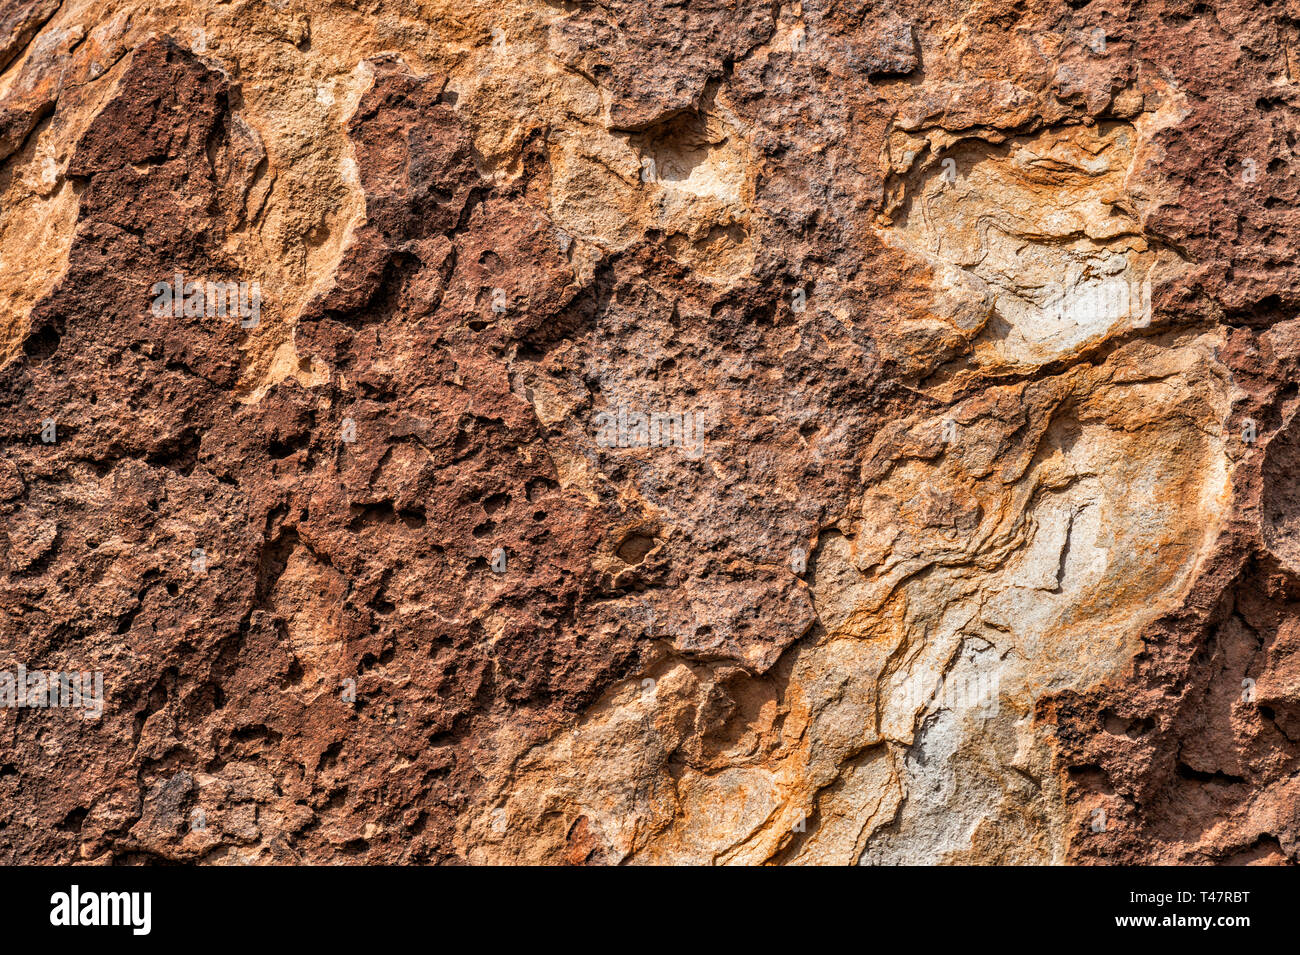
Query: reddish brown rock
[[616, 433]]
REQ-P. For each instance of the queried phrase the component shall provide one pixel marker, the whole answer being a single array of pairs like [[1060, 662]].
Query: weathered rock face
[[645, 433]]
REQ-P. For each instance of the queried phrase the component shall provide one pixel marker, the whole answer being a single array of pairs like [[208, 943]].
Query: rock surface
[[811, 433]]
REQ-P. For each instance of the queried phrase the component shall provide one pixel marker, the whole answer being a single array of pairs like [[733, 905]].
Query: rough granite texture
[[724, 432]]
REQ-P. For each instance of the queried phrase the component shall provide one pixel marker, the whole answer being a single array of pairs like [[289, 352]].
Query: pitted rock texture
[[812, 433]]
